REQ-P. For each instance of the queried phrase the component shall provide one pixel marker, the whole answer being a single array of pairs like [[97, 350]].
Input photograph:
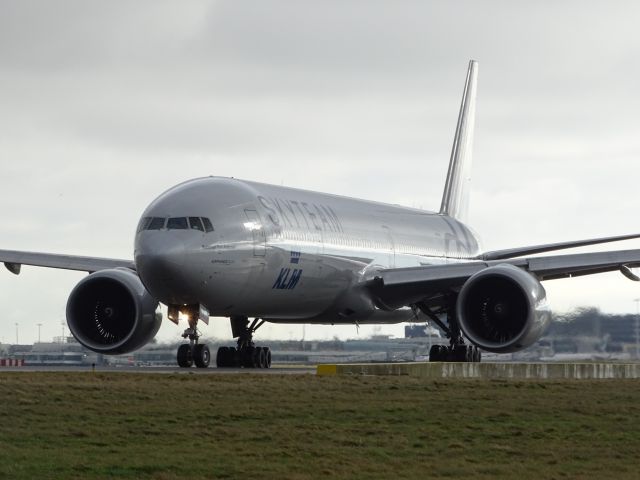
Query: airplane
[[229, 248]]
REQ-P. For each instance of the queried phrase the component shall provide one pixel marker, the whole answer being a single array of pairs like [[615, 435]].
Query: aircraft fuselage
[[284, 254]]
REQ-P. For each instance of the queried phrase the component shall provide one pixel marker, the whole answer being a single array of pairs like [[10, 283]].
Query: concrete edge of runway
[[279, 369], [516, 371], [499, 370]]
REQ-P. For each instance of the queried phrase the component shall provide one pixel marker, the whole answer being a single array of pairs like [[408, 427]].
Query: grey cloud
[[105, 105]]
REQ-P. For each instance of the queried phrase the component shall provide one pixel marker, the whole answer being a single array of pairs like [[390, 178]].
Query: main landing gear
[[193, 352], [456, 351], [246, 354]]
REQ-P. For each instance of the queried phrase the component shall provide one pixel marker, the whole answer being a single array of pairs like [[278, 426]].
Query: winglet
[[455, 197]]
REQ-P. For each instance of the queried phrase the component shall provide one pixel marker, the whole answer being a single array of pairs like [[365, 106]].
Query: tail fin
[[455, 199]]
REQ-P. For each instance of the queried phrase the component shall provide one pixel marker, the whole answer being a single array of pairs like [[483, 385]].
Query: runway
[[274, 370], [515, 371]]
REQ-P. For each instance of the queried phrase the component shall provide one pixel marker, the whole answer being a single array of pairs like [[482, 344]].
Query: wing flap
[[13, 260]]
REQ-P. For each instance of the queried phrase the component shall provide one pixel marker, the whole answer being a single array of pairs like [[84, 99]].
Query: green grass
[[84, 425]]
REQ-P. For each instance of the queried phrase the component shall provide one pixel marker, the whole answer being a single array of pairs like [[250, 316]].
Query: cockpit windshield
[[202, 224], [156, 223], [177, 223], [196, 224]]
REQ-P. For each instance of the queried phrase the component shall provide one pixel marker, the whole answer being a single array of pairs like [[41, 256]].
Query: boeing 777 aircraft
[[224, 247]]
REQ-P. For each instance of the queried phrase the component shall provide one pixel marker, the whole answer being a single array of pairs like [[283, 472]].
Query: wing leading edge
[[398, 287], [13, 260]]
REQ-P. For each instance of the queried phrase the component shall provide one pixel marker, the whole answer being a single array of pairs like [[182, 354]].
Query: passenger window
[[156, 223], [177, 223], [195, 224], [207, 225]]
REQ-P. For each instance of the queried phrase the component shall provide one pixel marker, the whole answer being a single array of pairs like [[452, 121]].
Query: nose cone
[[161, 264]]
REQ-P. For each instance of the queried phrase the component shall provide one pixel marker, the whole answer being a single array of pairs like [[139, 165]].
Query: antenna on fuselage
[[455, 198]]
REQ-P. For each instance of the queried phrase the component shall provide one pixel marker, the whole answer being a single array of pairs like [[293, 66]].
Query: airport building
[[583, 335]]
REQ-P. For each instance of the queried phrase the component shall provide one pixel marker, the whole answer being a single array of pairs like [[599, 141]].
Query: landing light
[[184, 316]]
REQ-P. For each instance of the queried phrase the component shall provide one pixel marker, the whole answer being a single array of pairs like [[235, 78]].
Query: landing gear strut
[[193, 352], [246, 354], [456, 351]]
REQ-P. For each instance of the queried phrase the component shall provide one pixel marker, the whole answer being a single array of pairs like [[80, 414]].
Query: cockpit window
[[196, 224], [155, 223], [177, 223], [207, 225], [144, 223]]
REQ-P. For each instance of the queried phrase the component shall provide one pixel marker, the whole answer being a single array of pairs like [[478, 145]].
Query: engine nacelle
[[111, 312], [503, 309]]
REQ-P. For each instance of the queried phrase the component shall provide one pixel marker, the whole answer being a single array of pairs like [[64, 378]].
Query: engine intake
[[111, 312], [503, 309]]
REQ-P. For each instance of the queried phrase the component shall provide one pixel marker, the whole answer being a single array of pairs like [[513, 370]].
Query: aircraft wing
[[13, 260], [393, 288]]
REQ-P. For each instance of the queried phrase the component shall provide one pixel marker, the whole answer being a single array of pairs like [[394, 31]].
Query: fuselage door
[[258, 233]]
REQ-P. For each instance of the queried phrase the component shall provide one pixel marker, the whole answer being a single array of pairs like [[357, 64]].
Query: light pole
[[39, 325], [17, 340], [637, 329], [62, 323]]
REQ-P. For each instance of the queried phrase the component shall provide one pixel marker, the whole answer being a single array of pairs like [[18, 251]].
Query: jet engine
[[503, 309], [111, 312]]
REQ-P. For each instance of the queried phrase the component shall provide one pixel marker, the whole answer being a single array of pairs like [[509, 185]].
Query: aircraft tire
[[201, 355], [436, 353], [221, 357], [233, 358], [267, 357], [261, 359], [460, 353], [185, 356], [246, 357], [255, 357]]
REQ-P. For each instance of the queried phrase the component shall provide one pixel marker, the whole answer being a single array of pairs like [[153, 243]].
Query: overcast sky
[[104, 105]]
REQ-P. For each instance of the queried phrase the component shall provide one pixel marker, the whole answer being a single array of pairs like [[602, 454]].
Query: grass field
[[85, 425]]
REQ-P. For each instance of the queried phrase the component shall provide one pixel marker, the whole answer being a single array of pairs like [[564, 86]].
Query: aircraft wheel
[[234, 358], [246, 357], [436, 353], [201, 355], [460, 353], [261, 357], [267, 357], [222, 357], [185, 356], [255, 355]]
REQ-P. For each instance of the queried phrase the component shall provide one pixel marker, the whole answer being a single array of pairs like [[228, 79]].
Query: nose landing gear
[[193, 352], [246, 354]]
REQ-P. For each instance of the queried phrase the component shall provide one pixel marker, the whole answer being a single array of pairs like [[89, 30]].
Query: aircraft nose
[[161, 265]]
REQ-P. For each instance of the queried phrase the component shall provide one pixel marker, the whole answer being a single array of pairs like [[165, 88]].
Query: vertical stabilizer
[[455, 198]]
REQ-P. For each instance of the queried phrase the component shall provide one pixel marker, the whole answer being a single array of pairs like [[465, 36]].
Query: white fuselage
[[283, 254]]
